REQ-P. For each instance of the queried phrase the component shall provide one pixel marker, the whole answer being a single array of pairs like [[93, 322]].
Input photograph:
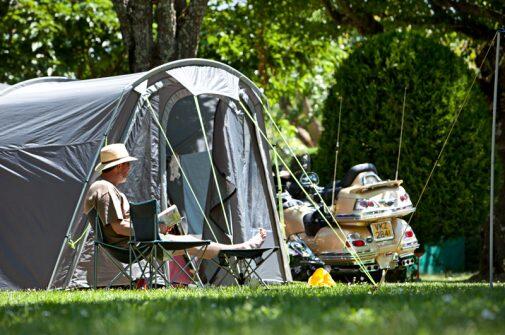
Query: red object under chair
[[176, 275]]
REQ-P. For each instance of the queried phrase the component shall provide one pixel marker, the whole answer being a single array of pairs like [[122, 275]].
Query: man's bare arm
[[121, 227]]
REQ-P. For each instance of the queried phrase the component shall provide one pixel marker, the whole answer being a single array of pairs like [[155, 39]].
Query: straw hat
[[112, 155]]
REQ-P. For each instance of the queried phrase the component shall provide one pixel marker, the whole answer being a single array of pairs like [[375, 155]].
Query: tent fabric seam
[[21, 148]]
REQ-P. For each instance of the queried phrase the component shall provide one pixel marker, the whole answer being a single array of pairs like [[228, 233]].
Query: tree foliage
[[476, 19], [65, 38], [371, 84], [279, 45], [474, 23], [282, 49]]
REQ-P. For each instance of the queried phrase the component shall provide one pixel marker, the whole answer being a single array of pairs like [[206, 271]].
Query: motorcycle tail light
[[363, 204], [358, 243], [409, 233]]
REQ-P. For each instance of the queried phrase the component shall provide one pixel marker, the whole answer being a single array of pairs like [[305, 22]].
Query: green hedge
[[371, 83]]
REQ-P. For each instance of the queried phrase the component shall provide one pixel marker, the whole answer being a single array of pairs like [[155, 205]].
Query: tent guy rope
[[351, 250], [456, 118]]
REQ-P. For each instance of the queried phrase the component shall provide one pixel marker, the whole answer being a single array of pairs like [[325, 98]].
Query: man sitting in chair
[[114, 210]]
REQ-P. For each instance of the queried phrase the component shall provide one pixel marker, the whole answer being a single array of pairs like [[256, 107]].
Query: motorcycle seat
[[356, 170]]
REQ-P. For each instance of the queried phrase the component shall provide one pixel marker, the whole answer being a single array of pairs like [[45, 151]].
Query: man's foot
[[257, 240]]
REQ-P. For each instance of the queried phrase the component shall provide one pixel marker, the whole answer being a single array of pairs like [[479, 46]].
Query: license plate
[[382, 230]]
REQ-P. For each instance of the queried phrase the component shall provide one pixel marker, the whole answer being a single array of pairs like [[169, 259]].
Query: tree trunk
[[141, 22], [4, 7], [178, 29], [262, 58], [188, 33], [167, 28]]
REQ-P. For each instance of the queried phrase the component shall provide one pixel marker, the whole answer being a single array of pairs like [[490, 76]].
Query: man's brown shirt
[[111, 205]]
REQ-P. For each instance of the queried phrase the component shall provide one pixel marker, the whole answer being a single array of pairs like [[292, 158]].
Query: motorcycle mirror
[[314, 178], [310, 179], [306, 162]]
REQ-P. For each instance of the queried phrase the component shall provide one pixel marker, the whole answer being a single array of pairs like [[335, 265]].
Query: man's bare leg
[[213, 248]]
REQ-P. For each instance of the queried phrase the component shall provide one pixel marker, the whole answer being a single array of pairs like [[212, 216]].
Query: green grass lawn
[[420, 308]]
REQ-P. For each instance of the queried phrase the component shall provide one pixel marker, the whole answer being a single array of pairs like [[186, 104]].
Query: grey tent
[[3, 86], [53, 128]]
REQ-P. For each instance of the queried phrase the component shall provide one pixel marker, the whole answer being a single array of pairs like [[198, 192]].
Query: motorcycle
[[368, 210]]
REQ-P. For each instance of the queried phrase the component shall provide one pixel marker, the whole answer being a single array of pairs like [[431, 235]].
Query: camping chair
[[147, 244], [241, 264], [117, 255]]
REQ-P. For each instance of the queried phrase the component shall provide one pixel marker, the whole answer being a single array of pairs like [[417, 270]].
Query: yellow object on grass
[[321, 278]]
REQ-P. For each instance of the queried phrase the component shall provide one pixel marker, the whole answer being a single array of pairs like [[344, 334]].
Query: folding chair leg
[[260, 279], [154, 278], [95, 265], [136, 256], [169, 274], [130, 265], [182, 269], [250, 270], [231, 268], [197, 266], [163, 272], [243, 268], [227, 269], [116, 277], [151, 268], [122, 271], [258, 264]]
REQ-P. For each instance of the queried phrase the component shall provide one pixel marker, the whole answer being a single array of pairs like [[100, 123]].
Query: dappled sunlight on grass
[[293, 309]]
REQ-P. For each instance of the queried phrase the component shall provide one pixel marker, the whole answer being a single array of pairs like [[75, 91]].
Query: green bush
[[371, 83]]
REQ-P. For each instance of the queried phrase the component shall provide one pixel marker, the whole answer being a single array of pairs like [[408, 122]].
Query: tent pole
[[78, 252], [279, 190], [78, 205], [493, 131], [84, 186]]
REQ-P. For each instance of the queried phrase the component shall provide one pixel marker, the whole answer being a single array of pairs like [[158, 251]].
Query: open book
[[170, 216]]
